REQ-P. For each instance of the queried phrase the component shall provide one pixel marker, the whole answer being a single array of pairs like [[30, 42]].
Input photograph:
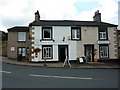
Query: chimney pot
[[37, 16], [97, 16]]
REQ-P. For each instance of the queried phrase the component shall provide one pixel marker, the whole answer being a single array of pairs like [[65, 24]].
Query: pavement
[[87, 65]]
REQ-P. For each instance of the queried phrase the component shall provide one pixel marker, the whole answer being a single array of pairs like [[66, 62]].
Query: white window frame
[[47, 52], [103, 34], [50, 34], [23, 34], [75, 32], [104, 52]]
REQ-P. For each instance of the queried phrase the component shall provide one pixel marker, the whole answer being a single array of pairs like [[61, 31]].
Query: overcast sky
[[21, 12]]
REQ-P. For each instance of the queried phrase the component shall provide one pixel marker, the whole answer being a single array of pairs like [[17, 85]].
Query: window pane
[[23, 51], [104, 51], [103, 34], [78, 33], [73, 34], [21, 36], [47, 52], [19, 50], [47, 34]]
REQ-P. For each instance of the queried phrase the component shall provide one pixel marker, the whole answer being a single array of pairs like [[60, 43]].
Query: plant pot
[[95, 59]]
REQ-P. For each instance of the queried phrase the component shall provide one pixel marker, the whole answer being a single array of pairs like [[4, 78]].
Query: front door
[[89, 52], [62, 52], [22, 51]]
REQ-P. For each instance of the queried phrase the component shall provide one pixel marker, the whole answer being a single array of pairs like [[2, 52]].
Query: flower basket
[[37, 50]]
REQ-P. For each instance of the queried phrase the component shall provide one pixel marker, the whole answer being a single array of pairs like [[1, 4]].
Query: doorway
[[62, 52], [22, 51], [89, 49]]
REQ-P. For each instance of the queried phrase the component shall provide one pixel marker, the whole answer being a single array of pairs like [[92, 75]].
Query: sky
[[21, 12]]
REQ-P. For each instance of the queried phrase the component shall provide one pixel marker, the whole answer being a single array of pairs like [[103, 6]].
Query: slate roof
[[19, 29], [69, 23]]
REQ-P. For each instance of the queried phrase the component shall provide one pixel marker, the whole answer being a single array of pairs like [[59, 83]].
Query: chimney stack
[[37, 16], [97, 16]]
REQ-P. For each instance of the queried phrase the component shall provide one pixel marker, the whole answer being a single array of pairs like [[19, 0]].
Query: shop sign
[[103, 42]]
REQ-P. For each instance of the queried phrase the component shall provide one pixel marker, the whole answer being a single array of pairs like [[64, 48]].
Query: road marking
[[5, 72], [64, 77]]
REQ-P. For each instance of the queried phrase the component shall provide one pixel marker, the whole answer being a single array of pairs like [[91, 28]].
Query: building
[[119, 44], [3, 43], [3, 36], [56, 40], [119, 15], [18, 42]]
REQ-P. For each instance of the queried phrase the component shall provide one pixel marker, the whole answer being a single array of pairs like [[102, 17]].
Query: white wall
[[58, 34]]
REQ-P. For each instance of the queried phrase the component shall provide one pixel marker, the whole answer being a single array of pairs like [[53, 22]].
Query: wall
[[89, 36], [13, 42], [113, 49], [58, 34]]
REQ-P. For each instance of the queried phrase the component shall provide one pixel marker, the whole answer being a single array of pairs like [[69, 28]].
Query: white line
[[59, 77], [5, 72]]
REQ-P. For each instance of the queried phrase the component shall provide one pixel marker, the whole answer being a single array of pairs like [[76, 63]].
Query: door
[[22, 51], [62, 52], [89, 52]]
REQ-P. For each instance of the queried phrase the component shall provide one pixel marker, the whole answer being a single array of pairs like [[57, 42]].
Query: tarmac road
[[15, 76]]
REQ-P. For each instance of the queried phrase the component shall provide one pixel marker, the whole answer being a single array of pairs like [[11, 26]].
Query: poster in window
[[12, 49]]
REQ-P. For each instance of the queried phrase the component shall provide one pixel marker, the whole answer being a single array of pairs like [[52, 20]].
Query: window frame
[[103, 31], [25, 37], [50, 56], [103, 57], [46, 28], [75, 29]]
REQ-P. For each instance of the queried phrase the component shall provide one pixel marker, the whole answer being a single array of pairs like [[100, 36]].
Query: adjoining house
[[56, 40], [18, 42], [119, 44], [3, 43]]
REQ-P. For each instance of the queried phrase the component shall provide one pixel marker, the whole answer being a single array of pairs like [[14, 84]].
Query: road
[[15, 76]]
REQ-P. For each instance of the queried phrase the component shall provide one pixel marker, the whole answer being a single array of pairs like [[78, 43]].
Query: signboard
[[103, 42], [12, 48]]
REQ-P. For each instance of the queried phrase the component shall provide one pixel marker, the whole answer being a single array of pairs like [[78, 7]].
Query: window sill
[[76, 39], [47, 40], [21, 41], [47, 58], [103, 39]]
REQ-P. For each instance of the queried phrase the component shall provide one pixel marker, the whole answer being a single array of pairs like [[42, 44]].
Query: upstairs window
[[47, 33], [76, 33], [103, 34], [21, 36]]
